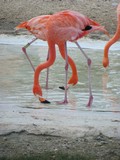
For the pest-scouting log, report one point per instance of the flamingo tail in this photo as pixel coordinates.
(101, 28)
(21, 25)
(96, 26)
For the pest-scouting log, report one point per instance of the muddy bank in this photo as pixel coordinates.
(13, 12)
(23, 143)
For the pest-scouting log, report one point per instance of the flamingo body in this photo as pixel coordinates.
(64, 26)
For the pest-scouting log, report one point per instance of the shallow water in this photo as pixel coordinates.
(16, 79)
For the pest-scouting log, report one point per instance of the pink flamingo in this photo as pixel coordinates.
(57, 29)
(114, 39)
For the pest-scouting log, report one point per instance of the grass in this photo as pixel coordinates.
(51, 156)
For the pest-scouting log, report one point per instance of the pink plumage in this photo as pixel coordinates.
(58, 29)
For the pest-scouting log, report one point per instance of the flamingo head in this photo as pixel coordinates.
(105, 62)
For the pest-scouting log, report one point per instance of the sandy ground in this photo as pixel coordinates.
(102, 141)
(26, 131)
(13, 12)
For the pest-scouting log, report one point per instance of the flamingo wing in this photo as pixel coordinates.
(71, 25)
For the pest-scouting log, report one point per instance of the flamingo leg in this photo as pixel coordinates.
(89, 75)
(66, 73)
(64, 47)
(24, 50)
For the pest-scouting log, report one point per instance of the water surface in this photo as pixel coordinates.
(16, 79)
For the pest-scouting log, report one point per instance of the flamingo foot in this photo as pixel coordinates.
(90, 101)
(65, 101)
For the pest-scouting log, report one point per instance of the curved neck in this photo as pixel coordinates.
(116, 37)
(48, 63)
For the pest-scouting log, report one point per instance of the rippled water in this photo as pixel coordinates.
(16, 79)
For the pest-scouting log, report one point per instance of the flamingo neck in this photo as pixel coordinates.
(48, 63)
(114, 39)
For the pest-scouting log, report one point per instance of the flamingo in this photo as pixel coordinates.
(114, 39)
(57, 29)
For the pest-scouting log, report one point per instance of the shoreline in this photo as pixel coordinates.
(39, 130)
